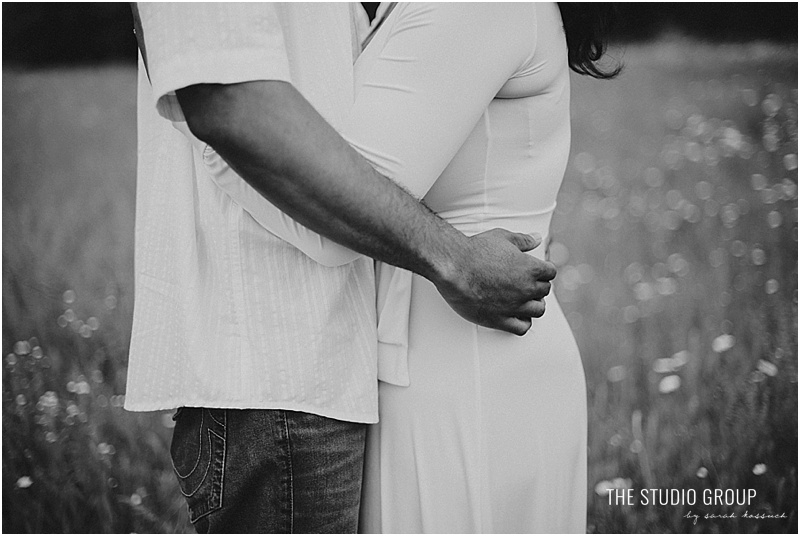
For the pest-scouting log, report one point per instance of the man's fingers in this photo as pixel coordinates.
(525, 242)
(545, 271)
(539, 290)
(532, 309)
(517, 326)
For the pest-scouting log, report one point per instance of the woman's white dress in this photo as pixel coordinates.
(468, 106)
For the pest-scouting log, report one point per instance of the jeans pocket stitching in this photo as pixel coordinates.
(208, 467)
(224, 414)
(199, 453)
(213, 502)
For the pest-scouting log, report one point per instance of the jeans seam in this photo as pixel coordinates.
(291, 476)
(224, 459)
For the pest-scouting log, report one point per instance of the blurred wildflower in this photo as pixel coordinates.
(729, 214)
(50, 437)
(633, 273)
(70, 315)
(615, 440)
(93, 323)
(702, 472)
(666, 286)
(789, 187)
(49, 400)
(136, 499)
(82, 387)
(759, 256)
(584, 163)
(771, 104)
(22, 348)
(21, 400)
(69, 296)
(769, 196)
(757, 376)
(636, 446)
(669, 384)
(559, 254)
(749, 97)
(62, 321)
(704, 190)
(767, 368)
(106, 450)
(759, 469)
(723, 343)
(790, 162)
(738, 248)
(11, 359)
(111, 302)
(616, 374)
(604, 487)
(678, 264)
(671, 364)
(774, 219)
(643, 291)
(711, 208)
(24, 482)
(771, 286)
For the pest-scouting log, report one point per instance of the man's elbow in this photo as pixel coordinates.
(207, 109)
(216, 113)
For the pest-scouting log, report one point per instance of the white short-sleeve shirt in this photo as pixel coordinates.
(227, 314)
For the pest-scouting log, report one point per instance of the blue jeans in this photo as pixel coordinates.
(268, 470)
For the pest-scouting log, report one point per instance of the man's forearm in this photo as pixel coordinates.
(289, 154)
(275, 140)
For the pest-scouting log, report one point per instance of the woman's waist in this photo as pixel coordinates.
(527, 223)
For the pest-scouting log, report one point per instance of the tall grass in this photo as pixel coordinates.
(676, 236)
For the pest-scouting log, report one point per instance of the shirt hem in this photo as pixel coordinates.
(365, 418)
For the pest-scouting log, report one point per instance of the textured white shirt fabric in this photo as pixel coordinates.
(227, 314)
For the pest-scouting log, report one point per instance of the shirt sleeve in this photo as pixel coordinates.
(214, 42)
(438, 70)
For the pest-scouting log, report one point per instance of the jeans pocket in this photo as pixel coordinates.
(198, 458)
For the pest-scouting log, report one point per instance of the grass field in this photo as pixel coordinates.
(676, 236)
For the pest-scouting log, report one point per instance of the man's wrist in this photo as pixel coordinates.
(445, 266)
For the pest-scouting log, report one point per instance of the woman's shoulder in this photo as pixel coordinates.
(506, 23)
(511, 11)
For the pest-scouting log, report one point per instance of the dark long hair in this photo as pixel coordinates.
(587, 25)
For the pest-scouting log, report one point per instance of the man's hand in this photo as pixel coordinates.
(494, 284)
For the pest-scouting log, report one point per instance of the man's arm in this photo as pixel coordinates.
(284, 149)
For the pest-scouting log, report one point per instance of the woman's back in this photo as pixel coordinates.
(507, 169)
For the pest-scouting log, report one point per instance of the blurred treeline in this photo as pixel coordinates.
(41, 33)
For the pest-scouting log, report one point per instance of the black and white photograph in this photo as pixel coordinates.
(429, 268)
